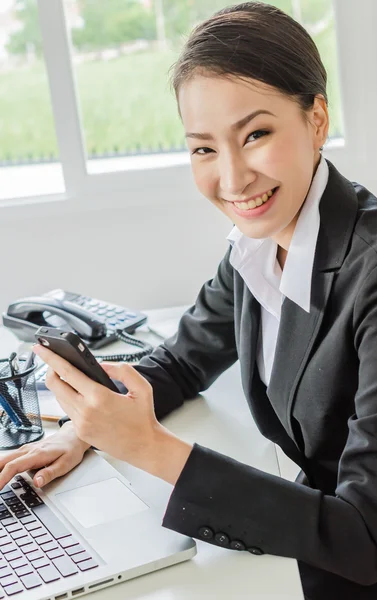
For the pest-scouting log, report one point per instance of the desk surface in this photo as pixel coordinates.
(214, 572)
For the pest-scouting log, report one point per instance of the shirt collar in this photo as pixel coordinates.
(296, 279)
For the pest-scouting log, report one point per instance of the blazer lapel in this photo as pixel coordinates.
(298, 329)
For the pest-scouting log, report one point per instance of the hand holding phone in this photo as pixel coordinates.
(70, 346)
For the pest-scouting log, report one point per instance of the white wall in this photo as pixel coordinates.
(145, 238)
(142, 257)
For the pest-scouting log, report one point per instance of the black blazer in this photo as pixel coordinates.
(320, 407)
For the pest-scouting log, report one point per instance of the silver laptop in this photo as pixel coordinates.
(83, 532)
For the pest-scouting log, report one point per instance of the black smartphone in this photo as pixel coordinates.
(70, 346)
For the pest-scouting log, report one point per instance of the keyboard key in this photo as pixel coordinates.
(68, 541)
(8, 548)
(6, 515)
(80, 557)
(35, 555)
(5, 573)
(30, 548)
(75, 549)
(14, 555)
(41, 562)
(65, 566)
(8, 580)
(5, 540)
(3, 533)
(55, 553)
(16, 485)
(33, 525)
(32, 501)
(43, 539)
(31, 581)
(49, 573)
(37, 532)
(16, 535)
(8, 521)
(49, 546)
(21, 513)
(8, 495)
(28, 519)
(25, 570)
(13, 589)
(51, 521)
(87, 564)
(20, 562)
(24, 541)
(14, 527)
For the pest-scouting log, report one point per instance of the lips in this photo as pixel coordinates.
(251, 213)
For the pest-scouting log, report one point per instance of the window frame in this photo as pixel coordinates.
(135, 187)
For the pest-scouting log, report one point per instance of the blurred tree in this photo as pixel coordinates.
(112, 23)
(27, 40)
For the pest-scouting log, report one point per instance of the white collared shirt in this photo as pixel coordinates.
(256, 261)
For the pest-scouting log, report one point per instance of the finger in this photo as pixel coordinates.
(134, 382)
(12, 455)
(59, 467)
(31, 460)
(68, 398)
(75, 378)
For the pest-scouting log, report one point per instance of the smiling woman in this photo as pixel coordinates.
(294, 299)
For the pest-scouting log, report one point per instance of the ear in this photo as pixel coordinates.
(320, 121)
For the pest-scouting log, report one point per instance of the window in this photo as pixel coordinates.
(28, 149)
(122, 52)
(86, 113)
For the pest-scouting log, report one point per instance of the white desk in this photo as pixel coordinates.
(210, 420)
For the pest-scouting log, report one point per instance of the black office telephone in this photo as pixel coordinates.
(96, 322)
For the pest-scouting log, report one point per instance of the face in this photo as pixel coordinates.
(253, 154)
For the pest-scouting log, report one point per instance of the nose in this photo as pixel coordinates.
(234, 175)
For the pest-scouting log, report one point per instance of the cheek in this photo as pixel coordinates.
(205, 180)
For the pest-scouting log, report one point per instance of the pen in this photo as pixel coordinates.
(28, 363)
(15, 369)
(10, 412)
(8, 401)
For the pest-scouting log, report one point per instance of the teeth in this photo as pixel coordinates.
(254, 203)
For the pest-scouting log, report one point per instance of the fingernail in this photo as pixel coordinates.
(39, 481)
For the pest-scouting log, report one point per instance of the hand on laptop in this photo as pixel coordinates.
(124, 426)
(52, 457)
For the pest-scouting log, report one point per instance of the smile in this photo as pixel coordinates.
(256, 202)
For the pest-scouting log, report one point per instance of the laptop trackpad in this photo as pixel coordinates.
(101, 502)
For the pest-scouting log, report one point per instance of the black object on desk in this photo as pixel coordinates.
(20, 421)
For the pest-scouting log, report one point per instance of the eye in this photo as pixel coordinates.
(258, 134)
(202, 151)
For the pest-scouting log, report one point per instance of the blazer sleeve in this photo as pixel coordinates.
(234, 505)
(203, 347)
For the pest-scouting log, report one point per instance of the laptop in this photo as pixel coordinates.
(85, 531)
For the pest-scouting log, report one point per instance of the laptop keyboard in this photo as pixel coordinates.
(35, 546)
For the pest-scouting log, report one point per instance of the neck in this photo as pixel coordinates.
(281, 256)
(283, 239)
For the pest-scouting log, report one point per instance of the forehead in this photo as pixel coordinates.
(206, 99)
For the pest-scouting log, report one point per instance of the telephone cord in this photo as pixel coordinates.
(130, 356)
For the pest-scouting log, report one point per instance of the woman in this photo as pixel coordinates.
(295, 299)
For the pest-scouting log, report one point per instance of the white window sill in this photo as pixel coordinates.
(34, 190)
(36, 180)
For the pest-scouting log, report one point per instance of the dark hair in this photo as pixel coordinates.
(258, 41)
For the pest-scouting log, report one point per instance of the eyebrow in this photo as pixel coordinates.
(235, 127)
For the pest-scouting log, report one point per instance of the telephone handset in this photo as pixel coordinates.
(96, 322)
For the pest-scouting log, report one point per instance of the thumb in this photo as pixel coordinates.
(56, 469)
(134, 382)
